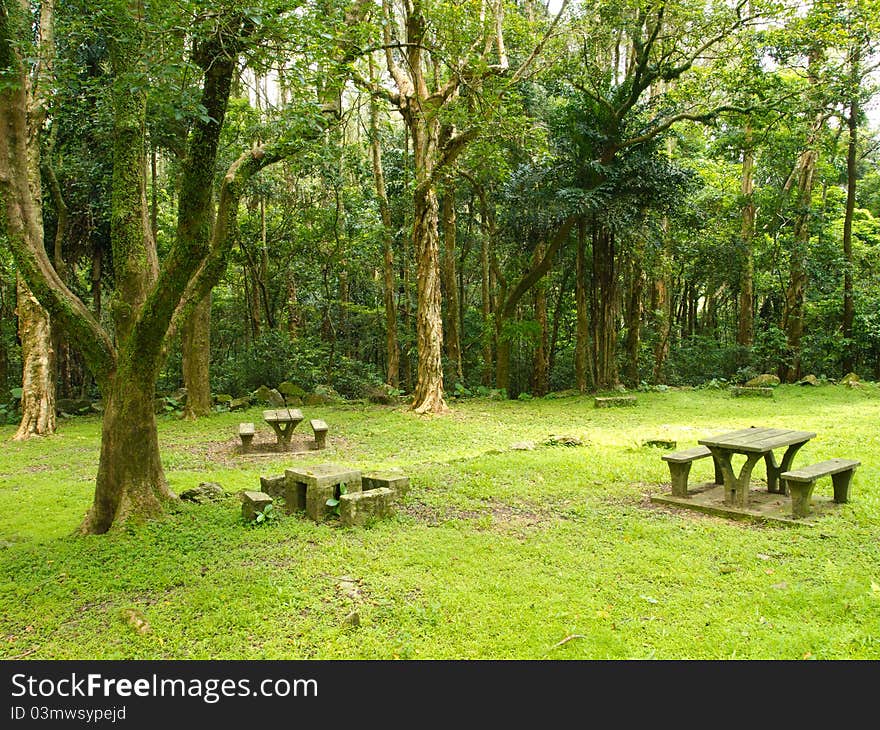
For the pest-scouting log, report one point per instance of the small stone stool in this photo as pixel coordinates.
(314, 485)
(253, 503)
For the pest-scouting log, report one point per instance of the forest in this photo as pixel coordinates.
(426, 201)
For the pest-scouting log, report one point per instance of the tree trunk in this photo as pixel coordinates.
(582, 339)
(605, 296)
(38, 371)
(392, 350)
(541, 369)
(795, 291)
(634, 318)
(428, 397)
(662, 308)
(852, 123)
(292, 305)
(130, 479)
(450, 283)
(745, 324)
(196, 350)
(486, 296)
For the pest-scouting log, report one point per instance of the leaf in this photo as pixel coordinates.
(332, 502)
(875, 586)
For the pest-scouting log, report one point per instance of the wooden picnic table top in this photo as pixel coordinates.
(283, 415)
(757, 440)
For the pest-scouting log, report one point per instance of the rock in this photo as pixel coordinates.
(287, 388)
(222, 398)
(315, 399)
(661, 443)
(523, 446)
(560, 440)
(328, 392)
(760, 381)
(262, 394)
(853, 384)
(352, 620)
(239, 404)
(850, 378)
(205, 492)
(78, 406)
(381, 396)
(253, 503)
(276, 399)
(808, 380)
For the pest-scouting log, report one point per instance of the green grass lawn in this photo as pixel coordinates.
(495, 553)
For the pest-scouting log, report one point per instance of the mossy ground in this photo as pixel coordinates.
(495, 553)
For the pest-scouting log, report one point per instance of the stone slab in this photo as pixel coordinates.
(323, 474)
(359, 508)
(398, 483)
(615, 401)
(763, 506)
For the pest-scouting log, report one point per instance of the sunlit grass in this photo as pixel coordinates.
(554, 552)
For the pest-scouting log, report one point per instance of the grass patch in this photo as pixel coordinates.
(554, 552)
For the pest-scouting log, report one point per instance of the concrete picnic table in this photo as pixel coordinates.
(755, 444)
(283, 421)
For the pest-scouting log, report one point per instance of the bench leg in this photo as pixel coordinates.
(246, 443)
(679, 475)
(320, 439)
(801, 494)
(841, 483)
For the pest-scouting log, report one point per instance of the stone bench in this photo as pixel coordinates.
(614, 401)
(359, 508)
(680, 466)
(246, 434)
(799, 483)
(320, 429)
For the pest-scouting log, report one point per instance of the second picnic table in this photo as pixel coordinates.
(283, 421)
(755, 444)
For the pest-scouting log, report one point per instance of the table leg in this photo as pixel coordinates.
(736, 487)
(283, 432)
(774, 484)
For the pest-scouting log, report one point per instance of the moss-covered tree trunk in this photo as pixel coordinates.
(130, 481)
(196, 350)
